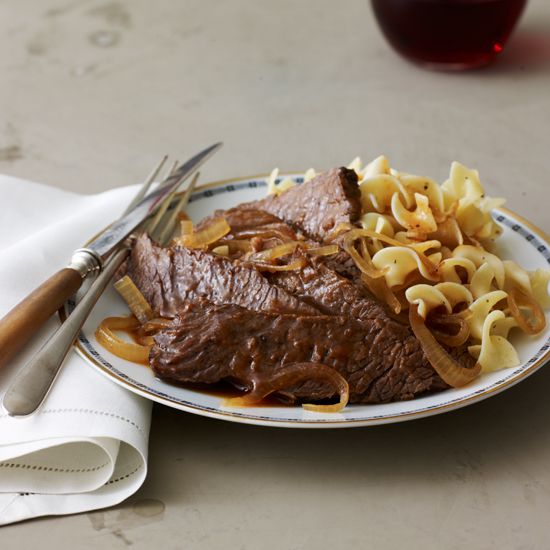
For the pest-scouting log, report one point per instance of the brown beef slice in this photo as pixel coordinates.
(313, 208)
(320, 205)
(332, 294)
(208, 343)
(169, 277)
(247, 222)
(320, 286)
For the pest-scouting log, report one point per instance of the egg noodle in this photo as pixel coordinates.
(429, 245)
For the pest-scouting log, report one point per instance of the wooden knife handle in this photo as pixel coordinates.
(22, 322)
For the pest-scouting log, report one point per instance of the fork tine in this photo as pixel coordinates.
(170, 222)
(146, 185)
(174, 168)
(164, 205)
(166, 180)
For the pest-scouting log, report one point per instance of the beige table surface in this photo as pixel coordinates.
(92, 93)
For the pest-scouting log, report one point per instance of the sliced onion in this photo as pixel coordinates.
(292, 375)
(380, 289)
(278, 251)
(237, 245)
(121, 323)
(338, 230)
(134, 298)
(333, 408)
(186, 227)
(104, 334)
(144, 334)
(288, 247)
(144, 339)
(363, 262)
(518, 301)
(327, 250)
(411, 279)
(364, 249)
(156, 324)
(292, 266)
(448, 369)
(222, 250)
(265, 233)
(210, 234)
(454, 320)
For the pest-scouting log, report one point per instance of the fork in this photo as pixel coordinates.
(30, 387)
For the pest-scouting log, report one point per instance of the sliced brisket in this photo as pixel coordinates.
(208, 343)
(170, 277)
(319, 285)
(320, 205)
(246, 222)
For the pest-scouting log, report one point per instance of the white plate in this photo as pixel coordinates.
(520, 241)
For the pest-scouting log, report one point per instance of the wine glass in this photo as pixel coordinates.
(448, 34)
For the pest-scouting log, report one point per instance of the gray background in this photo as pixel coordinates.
(92, 93)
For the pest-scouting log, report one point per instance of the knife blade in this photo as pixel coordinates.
(21, 323)
(111, 237)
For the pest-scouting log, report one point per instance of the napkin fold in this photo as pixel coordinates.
(86, 447)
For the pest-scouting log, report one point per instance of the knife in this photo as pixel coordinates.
(19, 325)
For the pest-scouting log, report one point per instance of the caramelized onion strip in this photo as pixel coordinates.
(104, 334)
(222, 250)
(518, 301)
(144, 339)
(262, 233)
(144, 335)
(186, 227)
(292, 266)
(380, 289)
(156, 324)
(210, 234)
(459, 337)
(292, 375)
(378, 285)
(278, 251)
(134, 298)
(338, 230)
(448, 369)
(236, 245)
(289, 247)
(363, 263)
(327, 250)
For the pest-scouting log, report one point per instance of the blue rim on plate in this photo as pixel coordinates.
(533, 236)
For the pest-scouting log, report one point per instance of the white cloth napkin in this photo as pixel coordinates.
(86, 448)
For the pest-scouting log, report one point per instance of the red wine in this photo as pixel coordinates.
(452, 33)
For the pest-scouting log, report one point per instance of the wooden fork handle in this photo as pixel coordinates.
(32, 383)
(24, 320)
